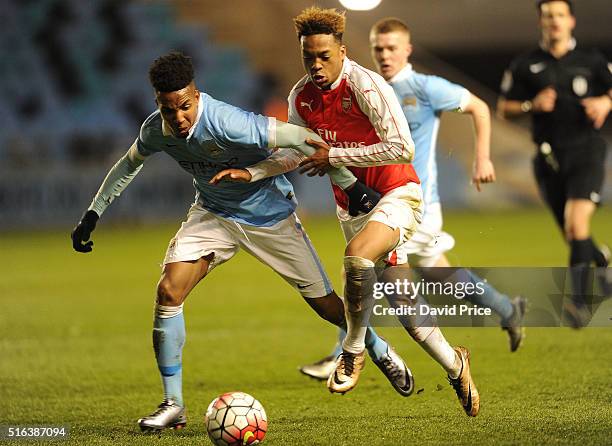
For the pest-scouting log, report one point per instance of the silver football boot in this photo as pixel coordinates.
(394, 368)
(321, 369)
(168, 415)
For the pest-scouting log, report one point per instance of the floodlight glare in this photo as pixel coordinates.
(360, 5)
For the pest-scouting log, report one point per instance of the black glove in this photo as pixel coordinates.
(82, 232)
(361, 198)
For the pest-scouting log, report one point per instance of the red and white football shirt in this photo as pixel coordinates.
(362, 120)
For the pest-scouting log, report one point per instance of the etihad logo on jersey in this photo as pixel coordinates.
(330, 137)
(207, 168)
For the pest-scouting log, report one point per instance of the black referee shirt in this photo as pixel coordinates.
(577, 75)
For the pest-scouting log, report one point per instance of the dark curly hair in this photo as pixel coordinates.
(315, 20)
(171, 72)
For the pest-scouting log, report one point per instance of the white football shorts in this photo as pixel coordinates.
(429, 241)
(399, 209)
(284, 247)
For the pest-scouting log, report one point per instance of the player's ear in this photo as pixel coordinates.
(408, 50)
(343, 51)
(197, 94)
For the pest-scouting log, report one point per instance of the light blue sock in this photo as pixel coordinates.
(168, 341)
(375, 344)
(491, 298)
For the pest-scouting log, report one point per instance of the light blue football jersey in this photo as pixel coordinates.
(224, 137)
(423, 98)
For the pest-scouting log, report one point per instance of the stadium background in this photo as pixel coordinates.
(74, 85)
(75, 90)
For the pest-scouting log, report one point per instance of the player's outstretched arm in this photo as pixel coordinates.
(361, 198)
(117, 179)
(378, 102)
(483, 170)
(279, 162)
(295, 137)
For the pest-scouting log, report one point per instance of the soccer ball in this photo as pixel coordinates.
(236, 419)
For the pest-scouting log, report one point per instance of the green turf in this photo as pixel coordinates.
(75, 347)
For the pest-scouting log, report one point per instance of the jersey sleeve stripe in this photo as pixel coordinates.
(388, 151)
(380, 92)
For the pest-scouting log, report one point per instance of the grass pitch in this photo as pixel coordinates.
(75, 347)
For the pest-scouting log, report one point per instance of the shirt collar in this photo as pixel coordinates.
(346, 68)
(402, 74)
(571, 46)
(166, 131)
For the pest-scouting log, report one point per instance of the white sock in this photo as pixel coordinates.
(439, 349)
(358, 301)
(355, 342)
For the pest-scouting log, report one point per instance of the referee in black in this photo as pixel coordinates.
(568, 93)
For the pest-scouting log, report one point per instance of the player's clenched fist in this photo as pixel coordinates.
(82, 232)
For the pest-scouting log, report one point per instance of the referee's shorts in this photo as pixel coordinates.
(570, 172)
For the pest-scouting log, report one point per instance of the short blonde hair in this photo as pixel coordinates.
(389, 25)
(315, 20)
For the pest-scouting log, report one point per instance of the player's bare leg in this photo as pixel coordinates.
(177, 280)
(578, 214)
(371, 243)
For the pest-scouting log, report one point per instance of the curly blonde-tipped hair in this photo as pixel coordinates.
(315, 20)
